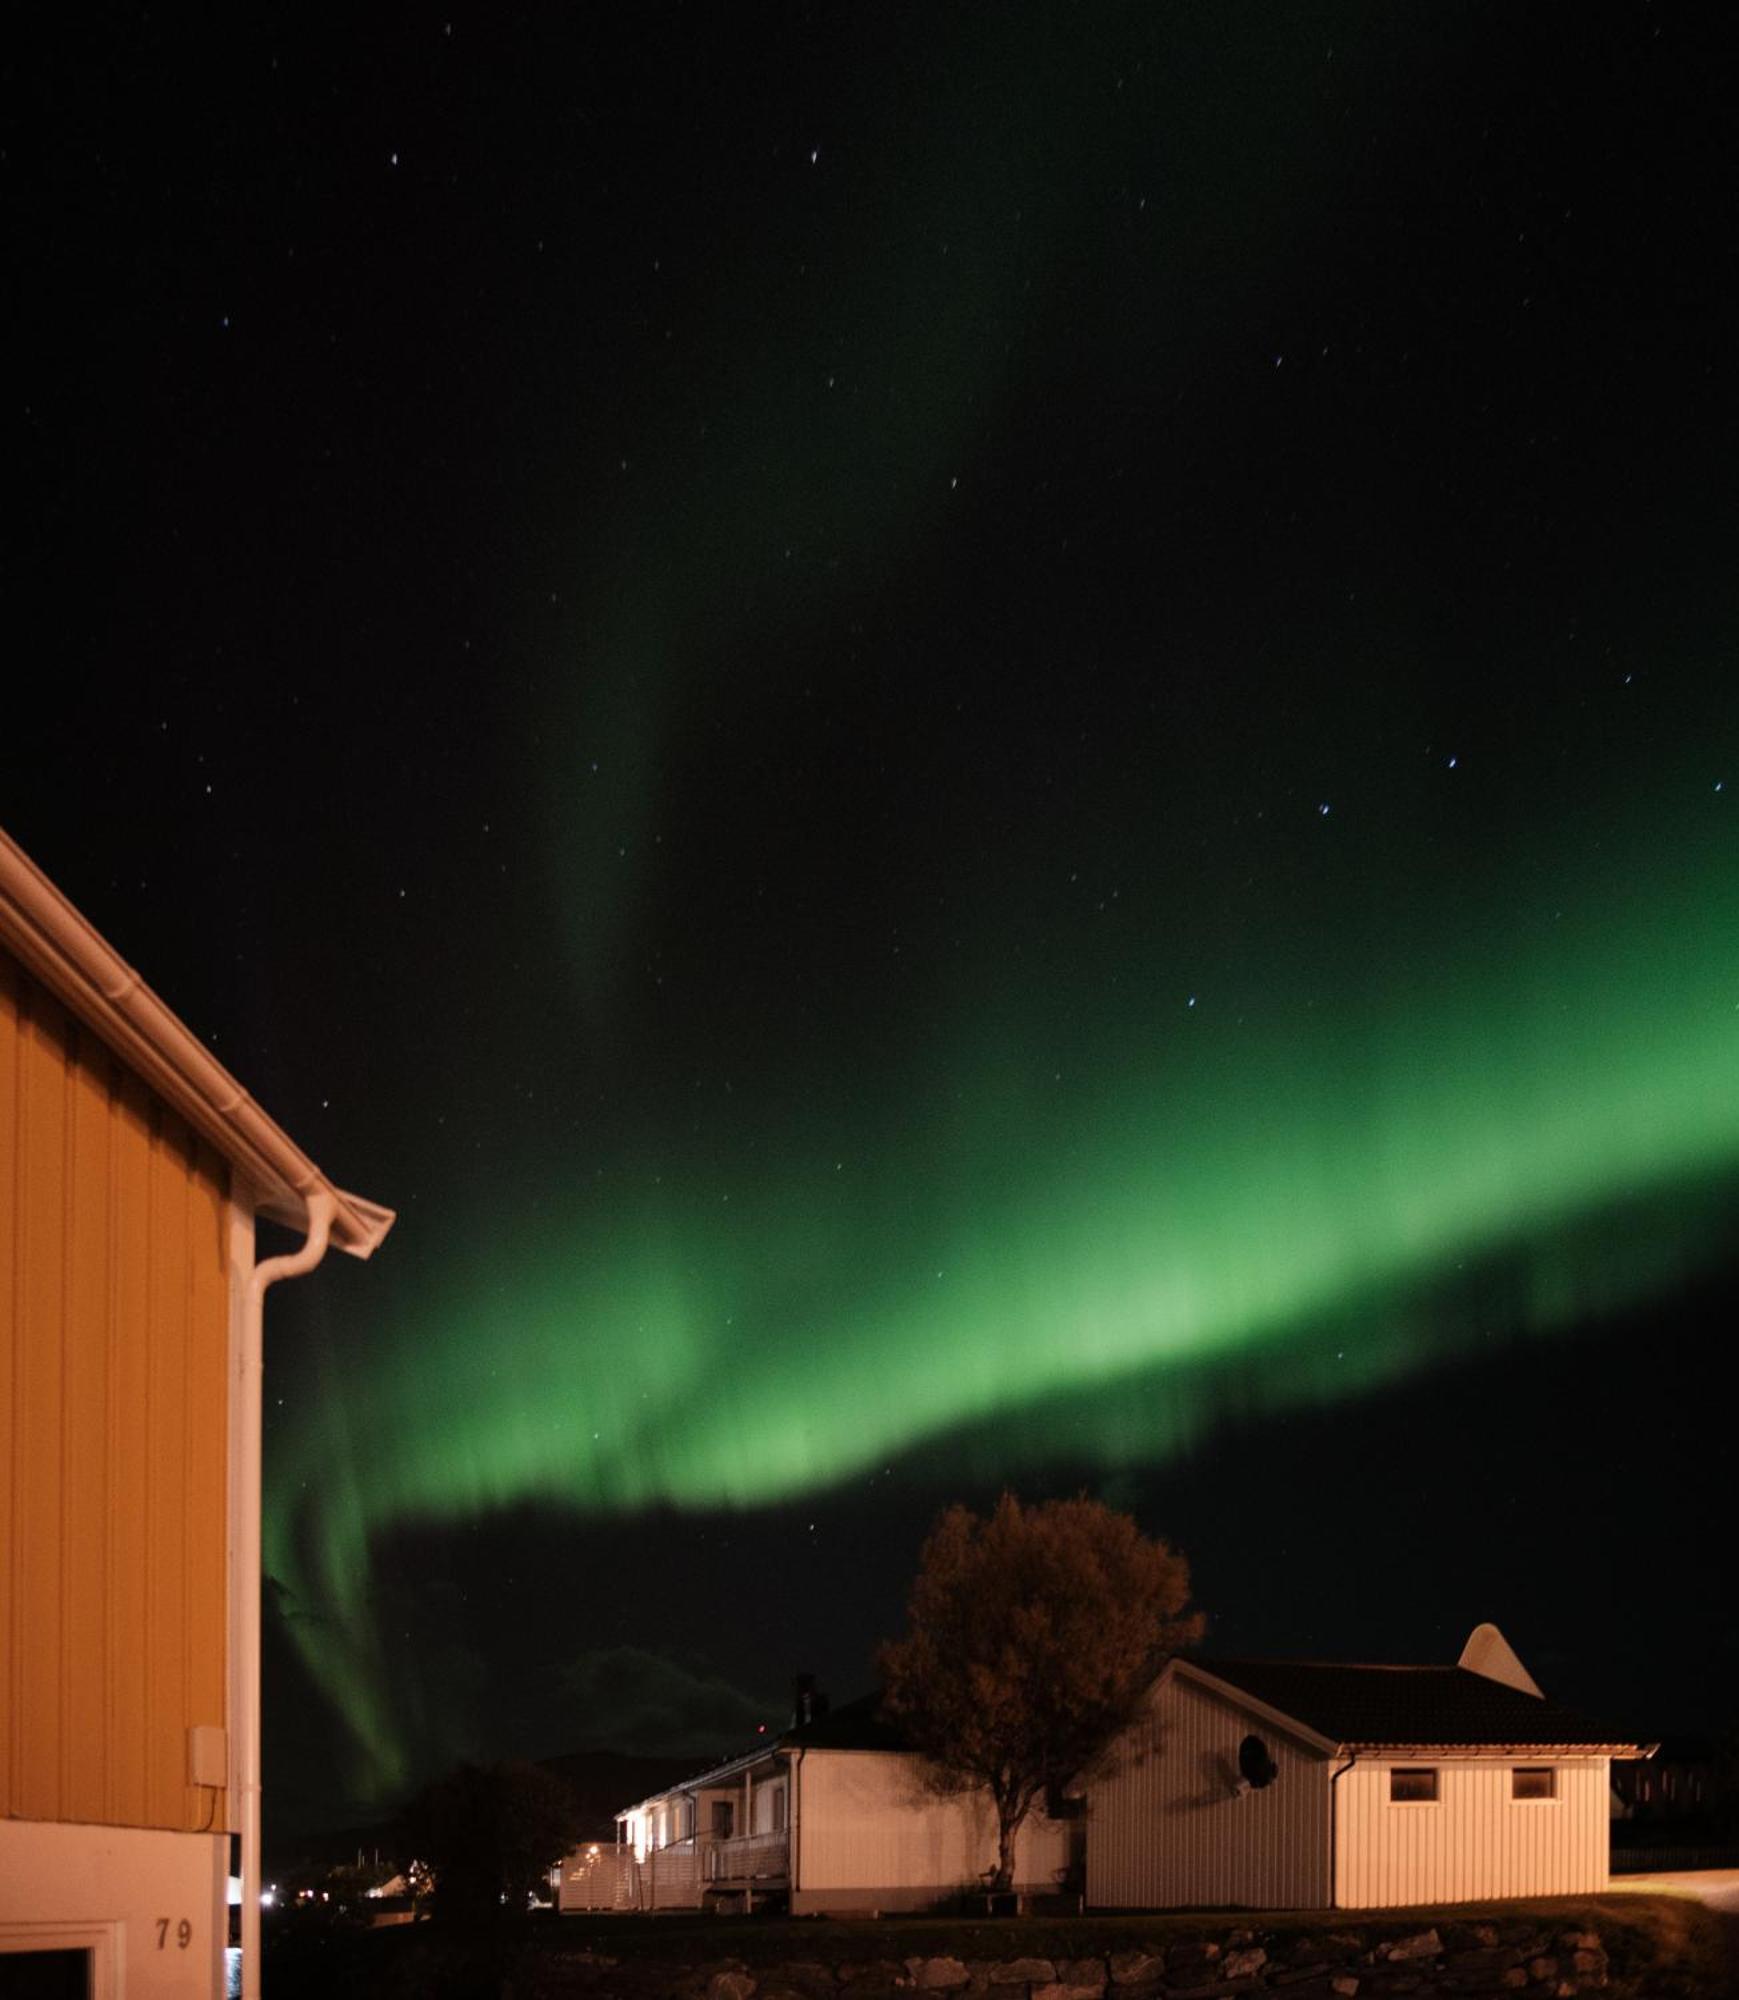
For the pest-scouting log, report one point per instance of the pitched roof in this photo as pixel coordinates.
(853, 1725)
(58, 947)
(1368, 1707)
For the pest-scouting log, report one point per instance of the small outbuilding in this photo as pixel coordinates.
(1282, 1784)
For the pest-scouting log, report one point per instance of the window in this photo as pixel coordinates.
(61, 1961)
(1412, 1788)
(48, 1975)
(1531, 1781)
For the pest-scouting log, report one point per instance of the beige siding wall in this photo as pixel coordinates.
(1475, 1841)
(114, 1329)
(767, 1812)
(866, 1822)
(1167, 1829)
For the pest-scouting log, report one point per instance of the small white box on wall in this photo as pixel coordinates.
(207, 1755)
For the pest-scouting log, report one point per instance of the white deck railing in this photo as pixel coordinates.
(749, 1857)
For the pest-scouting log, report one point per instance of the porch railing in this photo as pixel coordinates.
(749, 1857)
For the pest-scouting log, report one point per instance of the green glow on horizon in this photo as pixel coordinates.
(1216, 1193)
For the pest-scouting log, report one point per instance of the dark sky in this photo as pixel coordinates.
(972, 747)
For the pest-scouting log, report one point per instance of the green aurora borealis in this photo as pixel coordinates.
(1287, 1189)
(967, 746)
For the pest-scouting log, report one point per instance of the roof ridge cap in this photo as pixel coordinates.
(1209, 1662)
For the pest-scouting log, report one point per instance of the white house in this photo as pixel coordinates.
(832, 1816)
(1279, 1784)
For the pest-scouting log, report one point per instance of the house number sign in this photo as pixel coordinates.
(183, 1933)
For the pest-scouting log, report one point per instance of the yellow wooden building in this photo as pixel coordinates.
(132, 1168)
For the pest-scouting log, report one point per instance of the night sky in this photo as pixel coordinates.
(972, 747)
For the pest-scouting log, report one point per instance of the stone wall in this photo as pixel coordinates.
(1501, 1955)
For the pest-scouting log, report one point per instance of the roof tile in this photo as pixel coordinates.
(1379, 1707)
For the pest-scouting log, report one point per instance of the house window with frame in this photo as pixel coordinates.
(1412, 1786)
(1533, 1781)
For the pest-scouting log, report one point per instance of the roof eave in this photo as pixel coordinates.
(711, 1775)
(70, 957)
(1490, 1750)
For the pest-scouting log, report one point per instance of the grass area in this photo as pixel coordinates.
(1669, 1946)
(1661, 1947)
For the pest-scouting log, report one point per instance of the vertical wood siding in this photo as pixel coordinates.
(114, 1332)
(1475, 1841)
(1167, 1828)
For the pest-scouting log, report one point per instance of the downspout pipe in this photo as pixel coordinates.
(794, 1831)
(322, 1206)
(1335, 1777)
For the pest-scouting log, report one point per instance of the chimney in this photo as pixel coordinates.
(808, 1703)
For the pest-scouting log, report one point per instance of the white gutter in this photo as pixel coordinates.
(56, 944)
(245, 1609)
(1449, 1753)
